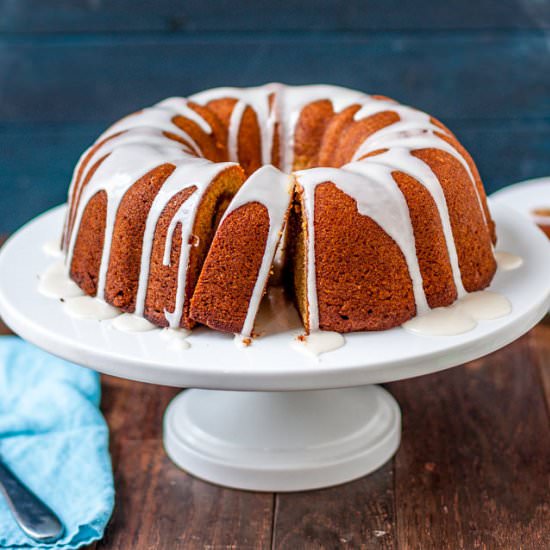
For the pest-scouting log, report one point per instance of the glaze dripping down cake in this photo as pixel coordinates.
(176, 212)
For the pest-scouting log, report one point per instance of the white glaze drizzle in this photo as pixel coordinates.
(160, 118)
(146, 127)
(413, 131)
(539, 219)
(233, 131)
(378, 197)
(142, 146)
(115, 176)
(139, 147)
(294, 98)
(400, 159)
(287, 106)
(181, 107)
(273, 189)
(179, 344)
(441, 321)
(258, 100)
(484, 305)
(144, 136)
(195, 172)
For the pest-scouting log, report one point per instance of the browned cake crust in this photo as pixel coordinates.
(363, 282)
(249, 142)
(362, 277)
(230, 271)
(84, 269)
(309, 132)
(471, 235)
(162, 286)
(542, 218)
(126, 246)
(431, 249)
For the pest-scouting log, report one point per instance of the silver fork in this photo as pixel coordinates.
(34, 518)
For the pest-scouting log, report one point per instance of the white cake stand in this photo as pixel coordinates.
(280, 437)
(525, 196)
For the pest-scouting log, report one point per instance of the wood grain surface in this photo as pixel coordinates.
(472, 471)
(70, 68)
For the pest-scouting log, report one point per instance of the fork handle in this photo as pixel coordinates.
(35, 519)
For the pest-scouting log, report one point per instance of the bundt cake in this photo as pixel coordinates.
(176, 212)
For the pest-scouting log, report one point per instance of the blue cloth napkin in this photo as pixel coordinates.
(54, 438)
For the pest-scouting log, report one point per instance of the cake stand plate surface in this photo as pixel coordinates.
(525, 196)
(282, 436)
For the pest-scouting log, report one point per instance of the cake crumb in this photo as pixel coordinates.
(430, 467)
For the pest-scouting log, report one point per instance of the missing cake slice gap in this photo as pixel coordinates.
(237, 268)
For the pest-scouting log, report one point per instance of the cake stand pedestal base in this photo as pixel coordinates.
(282, 441)
(279, 440)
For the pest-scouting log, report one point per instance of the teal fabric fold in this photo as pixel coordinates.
(54, 438)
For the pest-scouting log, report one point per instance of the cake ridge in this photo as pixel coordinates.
(198, 175)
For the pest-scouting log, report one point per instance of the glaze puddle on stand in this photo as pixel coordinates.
(54, 283)
(462, 316)
(507, 261)
(128, 322)
(277, 312)
(318, 342)
(52, 248)
(86, 307)
(177, 338)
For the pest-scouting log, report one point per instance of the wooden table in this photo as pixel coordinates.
(482, 482)
(473, 471)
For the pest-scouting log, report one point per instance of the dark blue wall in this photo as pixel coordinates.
(69, 67)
